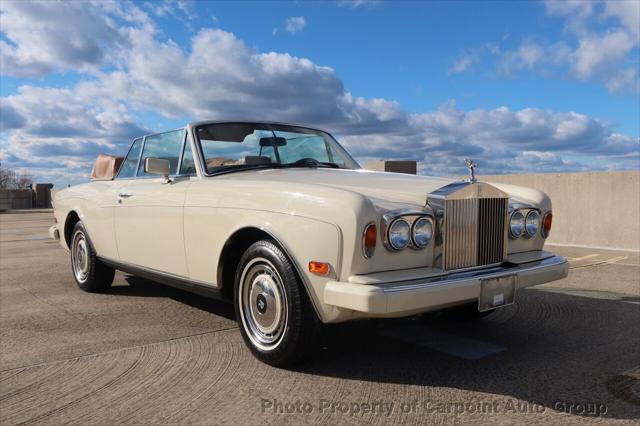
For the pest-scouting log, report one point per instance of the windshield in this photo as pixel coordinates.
(238, 146)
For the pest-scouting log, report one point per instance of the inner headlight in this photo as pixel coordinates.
(516, 224)
(532, 223)
(422, 232)
(399, 234)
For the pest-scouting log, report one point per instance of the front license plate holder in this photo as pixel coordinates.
(497, 292)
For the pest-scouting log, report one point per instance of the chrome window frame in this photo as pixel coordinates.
(198, 146)
(116, 177)
(187, 140)
(144, 143)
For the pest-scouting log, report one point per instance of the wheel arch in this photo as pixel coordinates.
(70, 221)
(235, 246)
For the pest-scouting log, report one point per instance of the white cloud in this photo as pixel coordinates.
(292, 25)
(580, 9)
(602, 45)
(597, 53)
(628, 12)
(175, 8)
(527, 56)
(219, 76)
(80, 36)
(462, 63)
(604, 55)
(295, 24)
(354, 4)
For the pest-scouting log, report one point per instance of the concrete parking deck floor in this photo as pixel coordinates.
(567, 352)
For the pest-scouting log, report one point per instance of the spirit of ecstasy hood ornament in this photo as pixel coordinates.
(472, 169)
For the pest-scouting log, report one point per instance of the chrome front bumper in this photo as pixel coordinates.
(409, 297)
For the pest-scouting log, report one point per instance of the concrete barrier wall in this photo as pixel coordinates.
(589, 209)
(16, 199)
(36, 197)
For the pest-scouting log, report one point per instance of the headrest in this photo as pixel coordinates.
(106, 167)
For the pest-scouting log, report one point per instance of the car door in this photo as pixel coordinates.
(149, 210)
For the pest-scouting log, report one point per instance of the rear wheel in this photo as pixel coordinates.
(276, 319)
(90, 274)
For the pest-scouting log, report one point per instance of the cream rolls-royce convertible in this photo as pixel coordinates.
(281, 221)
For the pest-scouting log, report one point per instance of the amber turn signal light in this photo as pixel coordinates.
(369, 240)
(319, 268)
(546, 224)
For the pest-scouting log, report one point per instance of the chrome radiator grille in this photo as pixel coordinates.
(474, 232)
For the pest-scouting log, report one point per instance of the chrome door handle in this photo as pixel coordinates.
(125, 195)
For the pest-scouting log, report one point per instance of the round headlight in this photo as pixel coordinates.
(516, 224)
(532, 223)
(399, 234)
(422, 232)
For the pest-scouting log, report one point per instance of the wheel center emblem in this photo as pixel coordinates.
(261, 302)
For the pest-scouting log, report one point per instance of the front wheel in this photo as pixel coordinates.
(90, 274)
(276, 319)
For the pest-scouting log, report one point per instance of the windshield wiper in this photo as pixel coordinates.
(243, 167)
(311, 162)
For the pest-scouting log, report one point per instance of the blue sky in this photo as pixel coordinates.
(522, 86)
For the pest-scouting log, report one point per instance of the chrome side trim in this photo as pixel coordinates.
(457, 277)
(176, 281)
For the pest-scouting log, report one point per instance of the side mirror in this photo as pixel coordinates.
(157, 166)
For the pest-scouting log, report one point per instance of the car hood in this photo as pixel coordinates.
(381, 188)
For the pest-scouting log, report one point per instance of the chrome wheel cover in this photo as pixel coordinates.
(80, 257)
(263, 304)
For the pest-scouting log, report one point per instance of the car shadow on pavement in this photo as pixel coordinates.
(141, 287)
(564, 352)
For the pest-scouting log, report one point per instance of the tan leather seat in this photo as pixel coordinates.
(215, 161)
(106, 167)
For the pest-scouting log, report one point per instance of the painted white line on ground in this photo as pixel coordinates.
(594, 247)
(611, 261)
(632, 302)
(628, 264)
(589, 256)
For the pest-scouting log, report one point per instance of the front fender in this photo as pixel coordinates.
(303, 239)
